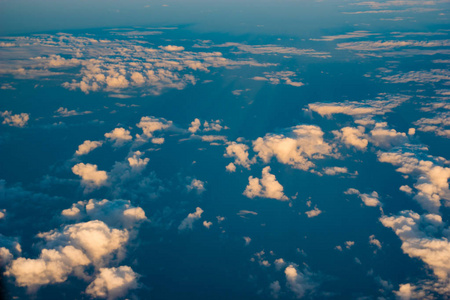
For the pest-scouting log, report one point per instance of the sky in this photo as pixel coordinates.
(224, 149)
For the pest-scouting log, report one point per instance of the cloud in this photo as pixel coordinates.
(266, 187)
(117, 213)
(196, 185)
(438, 125)
(359, 109)
(348, 35)
(195, 126)
(231, 168)
(354, 137)
(388, 45)
(240, 154)
(431, 178)
(136, 162)
(150, 125)
(113, 283)
(89, 174)
(207, 224)
(303, 143)
(432, 76)
(88, 146)
(313, 213)
(424, 237)
(188, 222)
(278, 77)
(64, 112)
(119, 136)
(383, 137)
(172, 48)
(18, 120)
(335, 170)
(247, 240)
(367, 199)
(298, 282)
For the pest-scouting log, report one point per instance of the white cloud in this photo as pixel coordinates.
(64, 112)
(89, 174)
(431, 76)
(119, 136)
(266, 187)
(113, 283)
(380, 136)
(150, 125)
(231, 168)
(18, 120)
(196, 185)
(136, 162)
(172, 48)
(304, 142)
(374, 241)
(247, 240)
(367, 199)
(195, 126)
(335, 170)
(431, 178)
(313, 213)
(240, 154)
(207, 224)
(87, 147)
(423, 237)
(280, 77)
(188, 222)
(348, 35)
(298, 282)
(353, 137)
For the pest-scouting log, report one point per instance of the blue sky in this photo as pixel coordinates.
(248, 150)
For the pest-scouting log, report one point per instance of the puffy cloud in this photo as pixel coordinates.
(432, 179)
(136, 162)
(207, 224)
(231, 168)
(196, 185)
(304, 142)
(89, 174)
(113, 283)
(195, 126)
(172, 48)
(349, 244)
(298, 282)
(374, 241)
(406, 188)
(247, 240)
(380, 136)
(423, 237)
(87, 147)
(313, 213)
(18, 120)
(266, 187)
(188, 222)
(52, 266)
(367, 199)
(335, 170)
(117, 213)
(353, 137)
(119, 136)
(150, 125)
(438, 125)
(240, 154)
(275, 289)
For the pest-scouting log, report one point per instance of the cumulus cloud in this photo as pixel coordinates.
(313, 213)
(87, 147)
(195, 126)
(64, 112)
(300, 283)
(266, 187)
(303, 143)
(196, 185)
(117, 213)
(113, 283)
(188, 222)
(335, 170)
(119, 136)
(150, 125)
(423, 237)
(90, 176)
(431, 178)
(240, 154)
(231, 168)
(438, 124)
(354, 137)
(367, 199)
(275, 78)
(431, 76)
(18, 120)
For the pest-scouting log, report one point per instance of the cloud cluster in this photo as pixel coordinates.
(266, 187)
(302, 144)
(90, 176)
(367, 199)
(18, 120)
